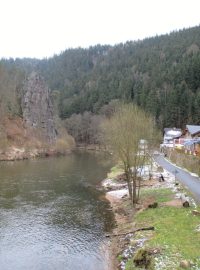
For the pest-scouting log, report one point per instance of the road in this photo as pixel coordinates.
(191, 182)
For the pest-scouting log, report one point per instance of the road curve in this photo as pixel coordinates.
(191, 182)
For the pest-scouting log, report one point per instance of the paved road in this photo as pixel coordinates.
(192, 182)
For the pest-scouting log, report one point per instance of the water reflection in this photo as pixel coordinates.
(51, 216)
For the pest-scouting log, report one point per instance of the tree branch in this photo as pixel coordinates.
(136, 230)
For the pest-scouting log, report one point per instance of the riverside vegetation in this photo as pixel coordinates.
(130, 134)
(154, 229)
(175, 241)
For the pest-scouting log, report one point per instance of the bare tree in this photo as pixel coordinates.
(123, 133)
(85, 128)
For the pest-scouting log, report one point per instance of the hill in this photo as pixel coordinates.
(161, 74)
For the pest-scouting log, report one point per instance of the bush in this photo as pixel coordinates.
(142, 259)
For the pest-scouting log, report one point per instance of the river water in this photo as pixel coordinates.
(52, 217)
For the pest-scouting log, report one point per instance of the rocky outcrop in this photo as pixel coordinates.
(33, 133)
(37, 108)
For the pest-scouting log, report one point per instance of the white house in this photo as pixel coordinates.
(169, 135)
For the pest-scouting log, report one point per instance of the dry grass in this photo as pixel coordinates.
(13, 134)
(190, 162)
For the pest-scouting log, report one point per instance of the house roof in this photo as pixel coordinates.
(172, 132)
(193, 129)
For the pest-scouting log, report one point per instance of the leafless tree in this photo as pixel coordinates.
(130, 132)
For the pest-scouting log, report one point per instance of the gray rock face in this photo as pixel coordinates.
(37, 107)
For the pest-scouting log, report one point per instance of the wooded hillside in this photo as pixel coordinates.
(160, 74)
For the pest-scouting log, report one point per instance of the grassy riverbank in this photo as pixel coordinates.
(175, 242)
(177, 232)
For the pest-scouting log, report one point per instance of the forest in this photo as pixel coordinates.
(160, 74)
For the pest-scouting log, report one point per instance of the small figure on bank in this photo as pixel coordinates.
(161, 178)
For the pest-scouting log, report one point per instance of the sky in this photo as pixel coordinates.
(42, 28)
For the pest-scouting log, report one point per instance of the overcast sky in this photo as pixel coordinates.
(41, 28)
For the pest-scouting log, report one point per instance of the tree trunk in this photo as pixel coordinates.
(128, 179)
(134, 189)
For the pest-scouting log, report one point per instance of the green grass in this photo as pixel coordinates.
(175, 231)
(160, 195)
(175, 227)
(130, 265)
(115, 171)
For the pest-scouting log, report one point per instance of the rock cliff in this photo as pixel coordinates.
(37, 108)
(34, 132)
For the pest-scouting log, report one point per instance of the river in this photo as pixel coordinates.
(52, 217)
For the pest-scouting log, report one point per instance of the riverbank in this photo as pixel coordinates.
(165, 247)
(15, 153)
(18, 142)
